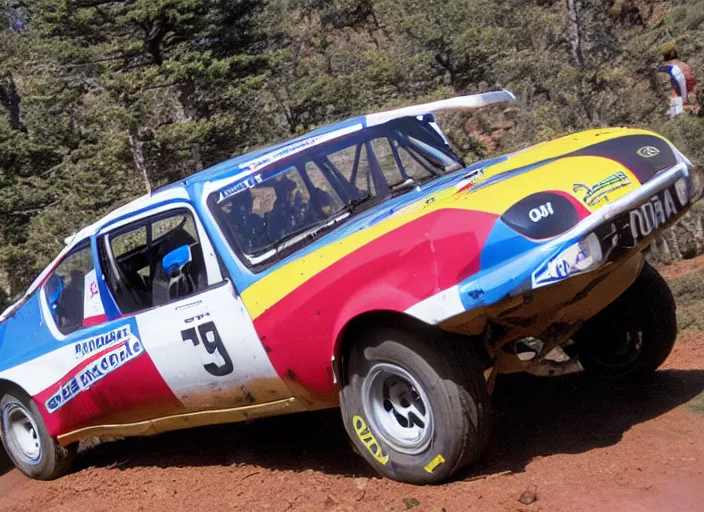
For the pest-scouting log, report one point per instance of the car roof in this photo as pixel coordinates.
(240, 163)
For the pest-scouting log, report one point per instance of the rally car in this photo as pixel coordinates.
(363, 265)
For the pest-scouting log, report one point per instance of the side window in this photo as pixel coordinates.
(154, 261)
(65, 290)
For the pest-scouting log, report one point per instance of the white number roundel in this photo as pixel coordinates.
(541, 212)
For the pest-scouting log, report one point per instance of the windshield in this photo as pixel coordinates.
(273, 210)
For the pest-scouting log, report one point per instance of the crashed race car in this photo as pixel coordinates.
(363, 265)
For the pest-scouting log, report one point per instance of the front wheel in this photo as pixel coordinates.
(634, 334)
(27, 441)
(416, 409)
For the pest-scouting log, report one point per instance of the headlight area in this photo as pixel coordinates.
(580, 257)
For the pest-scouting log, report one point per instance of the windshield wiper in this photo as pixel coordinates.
(353, 204)
(312, 230)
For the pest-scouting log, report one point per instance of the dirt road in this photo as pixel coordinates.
(564, 444)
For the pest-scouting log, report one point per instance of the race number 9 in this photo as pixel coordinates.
(215, 360)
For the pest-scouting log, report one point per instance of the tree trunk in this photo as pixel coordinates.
(10, 99)
(137, 149)
(574, 31)
(182, 114)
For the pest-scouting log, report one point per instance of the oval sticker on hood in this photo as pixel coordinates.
(642, 154)
(541, 215)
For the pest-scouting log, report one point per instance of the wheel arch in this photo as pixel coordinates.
(361, 322)
(352, 330)
(9, 386)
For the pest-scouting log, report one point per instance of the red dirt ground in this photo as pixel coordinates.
(577, 445)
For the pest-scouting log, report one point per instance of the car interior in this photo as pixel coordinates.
(138, 277)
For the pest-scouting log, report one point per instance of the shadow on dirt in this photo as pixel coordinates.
(538, 416)
(5, 462)
(532, 417)
(296, 442)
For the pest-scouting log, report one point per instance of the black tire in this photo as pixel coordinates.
(446, 374)
(52, 460)
(634, 334)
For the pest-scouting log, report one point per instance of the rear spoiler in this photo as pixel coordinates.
(459, 103)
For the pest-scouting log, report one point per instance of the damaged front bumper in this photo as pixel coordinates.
(628, 223)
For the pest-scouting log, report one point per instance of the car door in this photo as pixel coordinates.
(161, 271)
(99, 372)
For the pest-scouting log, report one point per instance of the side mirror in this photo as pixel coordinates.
(174, 262)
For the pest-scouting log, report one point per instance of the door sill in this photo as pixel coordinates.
(183, 421)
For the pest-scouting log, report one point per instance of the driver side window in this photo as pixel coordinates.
(65, 290)
(154, 261)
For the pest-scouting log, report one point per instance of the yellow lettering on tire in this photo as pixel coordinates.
(430, 467)
(365, 435)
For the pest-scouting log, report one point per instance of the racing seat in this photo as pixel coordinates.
(179, 269)
(173, 279)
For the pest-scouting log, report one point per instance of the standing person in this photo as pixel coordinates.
(682, 78)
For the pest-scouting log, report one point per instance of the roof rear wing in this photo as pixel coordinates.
(459, 103)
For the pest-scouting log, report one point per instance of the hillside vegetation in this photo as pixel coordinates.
(104, 100)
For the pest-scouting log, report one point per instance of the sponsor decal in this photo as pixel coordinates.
(93, 289)
(475, 294)
(558, 269)
(580, 257)
(599, 191)
(470, 180)
(245, 184)
(92, 304)
(256, 164)
(95, 371)
(296, 147)
(365, 435)
(272, 157)
(541, 212)
(648, 151)
(438, 460)
(656, 212)
(189, 305)
(85, 348)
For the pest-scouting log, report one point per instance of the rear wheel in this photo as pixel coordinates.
(27, 441)
(634, 334)
(416, 409)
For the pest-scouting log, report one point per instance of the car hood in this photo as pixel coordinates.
(588, 169)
